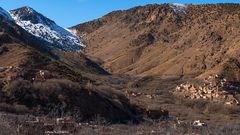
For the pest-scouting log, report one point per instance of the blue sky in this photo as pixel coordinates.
(67, 13)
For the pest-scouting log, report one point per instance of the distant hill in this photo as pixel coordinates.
(167, 40)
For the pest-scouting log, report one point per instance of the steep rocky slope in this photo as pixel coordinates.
(167, 40)
(47, 30)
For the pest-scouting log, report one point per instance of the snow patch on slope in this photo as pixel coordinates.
(47, 30)
(178, 7)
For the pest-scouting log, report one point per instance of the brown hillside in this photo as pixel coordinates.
(36, 81)
(166, 40)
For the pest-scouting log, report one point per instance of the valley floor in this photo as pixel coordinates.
(153, 93)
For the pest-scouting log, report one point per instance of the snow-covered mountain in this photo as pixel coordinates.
(46, 29)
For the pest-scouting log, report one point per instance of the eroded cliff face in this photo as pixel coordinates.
(168, 40)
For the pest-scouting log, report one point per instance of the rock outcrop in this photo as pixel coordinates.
(214, 88)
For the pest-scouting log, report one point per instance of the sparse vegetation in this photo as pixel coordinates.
(59, 97)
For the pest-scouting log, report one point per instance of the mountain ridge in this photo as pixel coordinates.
(47, 30)
(156, 40)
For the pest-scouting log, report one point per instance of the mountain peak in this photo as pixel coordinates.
(46, 29)
(29, 14)
(27, 9)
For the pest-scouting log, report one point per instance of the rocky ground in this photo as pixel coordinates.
(26, 124)
(214, 88)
